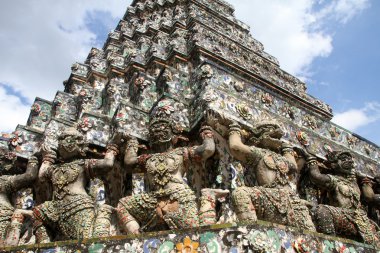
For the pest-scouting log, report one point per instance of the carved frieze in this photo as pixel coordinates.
(40, 114)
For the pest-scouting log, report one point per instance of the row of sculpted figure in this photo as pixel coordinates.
(275, 198)
(171, 203)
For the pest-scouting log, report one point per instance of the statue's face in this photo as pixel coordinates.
(272, 131)
(160, 132)
(345, 163)
(7, 160)
(70, 145)
(111, 89)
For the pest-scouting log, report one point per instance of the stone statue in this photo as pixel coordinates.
(344, 215)
(170, 201)
(11, 220)
(275, 198)
(72, 211)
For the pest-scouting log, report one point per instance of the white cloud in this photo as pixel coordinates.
(283, 27)
(343, 10)
(354, 119)
(12, 111)
(294, 31)
(36, 53)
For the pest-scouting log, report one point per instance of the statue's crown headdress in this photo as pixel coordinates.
(333, 156)
(267, 123)
(156, 120)
(71, 131)
(257, 131)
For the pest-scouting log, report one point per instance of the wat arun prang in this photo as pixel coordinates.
(182, 121)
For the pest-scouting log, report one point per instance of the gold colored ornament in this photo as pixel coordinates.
(187, 246)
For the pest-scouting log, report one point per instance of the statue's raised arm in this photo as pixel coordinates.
(102, 166)
(321, 180)
(207, 149)
(368, 192)
(238, 149)
(27, 178)
(11, 220)
(131, 150)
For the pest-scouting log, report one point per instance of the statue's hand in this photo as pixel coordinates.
(133, 144)
(215, 119)
(211, 118)
(218, 122)
(119, 138)
(268, 142)
(48, 154)
(301, 152)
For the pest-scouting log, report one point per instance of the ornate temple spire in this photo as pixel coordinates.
(168, 69)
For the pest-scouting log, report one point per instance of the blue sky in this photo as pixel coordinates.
(332, 45)
(348, 78)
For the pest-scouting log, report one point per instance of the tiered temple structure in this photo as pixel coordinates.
(183, 122)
